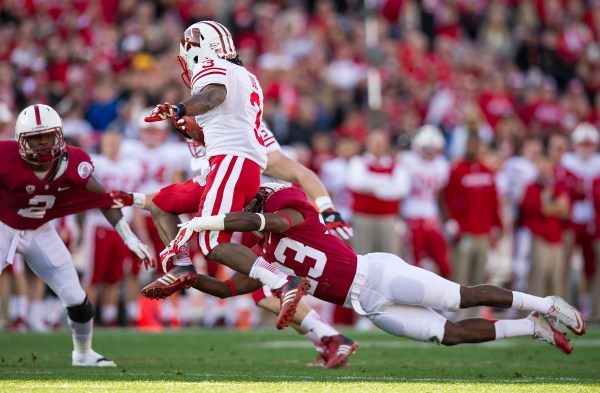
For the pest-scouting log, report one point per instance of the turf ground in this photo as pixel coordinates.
(270, 361)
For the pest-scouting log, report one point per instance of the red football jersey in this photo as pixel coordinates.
(27, 202)
(308, 250)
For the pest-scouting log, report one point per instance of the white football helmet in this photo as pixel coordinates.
(202, 41)
(429, 140)
(36, 120)
(585, 132)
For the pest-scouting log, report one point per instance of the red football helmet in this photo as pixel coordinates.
(36, 120)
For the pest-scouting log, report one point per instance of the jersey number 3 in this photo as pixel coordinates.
(301, 253)
(39, 205)
(255, 101)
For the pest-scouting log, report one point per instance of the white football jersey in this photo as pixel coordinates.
(232, 128)
(124, 174)
(159, 164)
(583, 210)
(516, 174)
(268, 137)
(426, 180)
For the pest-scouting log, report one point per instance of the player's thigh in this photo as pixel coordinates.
(179, 198)
(49, 259)
(402, 283)
(414, 322)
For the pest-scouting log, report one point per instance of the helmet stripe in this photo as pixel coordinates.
(38, 117)
(229, 37)
(220, 34)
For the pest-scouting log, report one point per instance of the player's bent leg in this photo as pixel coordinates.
(414, 322)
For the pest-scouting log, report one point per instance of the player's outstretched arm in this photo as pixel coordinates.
(282, 167)
(238, 284)
(278, 222)
(208, 98)
(116, 219)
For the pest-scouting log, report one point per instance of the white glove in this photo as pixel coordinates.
(134, 244)
(197, 224)
(202, 167)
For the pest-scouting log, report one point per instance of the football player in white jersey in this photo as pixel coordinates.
(428, 171)
(227, 102)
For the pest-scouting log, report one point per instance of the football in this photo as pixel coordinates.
(192, 129)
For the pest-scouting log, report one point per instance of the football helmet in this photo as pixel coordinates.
(257, 204)
(202, 41)
(197, 149)
(37, 120)
(429, 141)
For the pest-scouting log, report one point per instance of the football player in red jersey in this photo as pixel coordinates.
(183, 198)
(42, 178)
(397, 297)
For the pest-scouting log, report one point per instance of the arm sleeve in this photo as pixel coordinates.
(360, 180)
(397, 187)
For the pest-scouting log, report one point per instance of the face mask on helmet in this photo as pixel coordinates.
(203, 41)
(39, 133)
(257, 204)
(197, 149)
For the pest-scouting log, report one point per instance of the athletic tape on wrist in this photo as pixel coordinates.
(323, 203)
(262, 221)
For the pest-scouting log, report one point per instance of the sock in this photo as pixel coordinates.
(513, 328)
(313, 338)
(37, 313)
(183, 258)
(22, 305)
(268, 274)
(82, 335)
(109, 313)
(524, 301)
(585, 303)
(133, 311)
(314, 323)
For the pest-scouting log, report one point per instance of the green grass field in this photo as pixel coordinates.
(270, 361)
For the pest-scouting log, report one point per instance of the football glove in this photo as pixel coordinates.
(187, 126)
(336, 224)
(162, 112)
(124, 198)
(134, 244)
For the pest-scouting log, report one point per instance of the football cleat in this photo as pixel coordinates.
(545, 331)
(289, 295)
(91, 359)
(177, 278)
(320, 361)
(339, 349)
(565, 314)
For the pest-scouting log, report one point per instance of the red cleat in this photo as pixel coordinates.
(339, 349)
(176, 278)
(289, 295)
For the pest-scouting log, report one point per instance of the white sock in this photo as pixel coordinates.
(313, 338)
(109, 313)
(82, 335)
(513, 328)
(37, 312)
(17, 308)
(268, 274)
(314, 323)
(585, 303)
(183, 258)
(133, 311)
(524, 301)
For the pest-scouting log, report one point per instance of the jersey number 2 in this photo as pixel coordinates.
(302, 252)
(39, 205)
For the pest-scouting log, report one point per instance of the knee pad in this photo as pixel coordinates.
(81, 313)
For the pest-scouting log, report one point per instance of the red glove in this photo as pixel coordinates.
(165, 111)
(124, 198)
(336, 224)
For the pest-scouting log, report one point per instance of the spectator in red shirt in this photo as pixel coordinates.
(472, 202)
(544, 208)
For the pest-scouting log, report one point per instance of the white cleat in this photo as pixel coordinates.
(544, 331)
(562, 312)
(91, 359)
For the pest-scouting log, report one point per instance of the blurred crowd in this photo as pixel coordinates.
(504, 190)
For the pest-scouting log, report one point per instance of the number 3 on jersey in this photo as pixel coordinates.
(255, 101)
(39, 205)
(302, 253)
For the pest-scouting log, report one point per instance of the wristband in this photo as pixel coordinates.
(323, 203)
(231, 287)
(139, 199)
(262, 221)
(181, 110)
